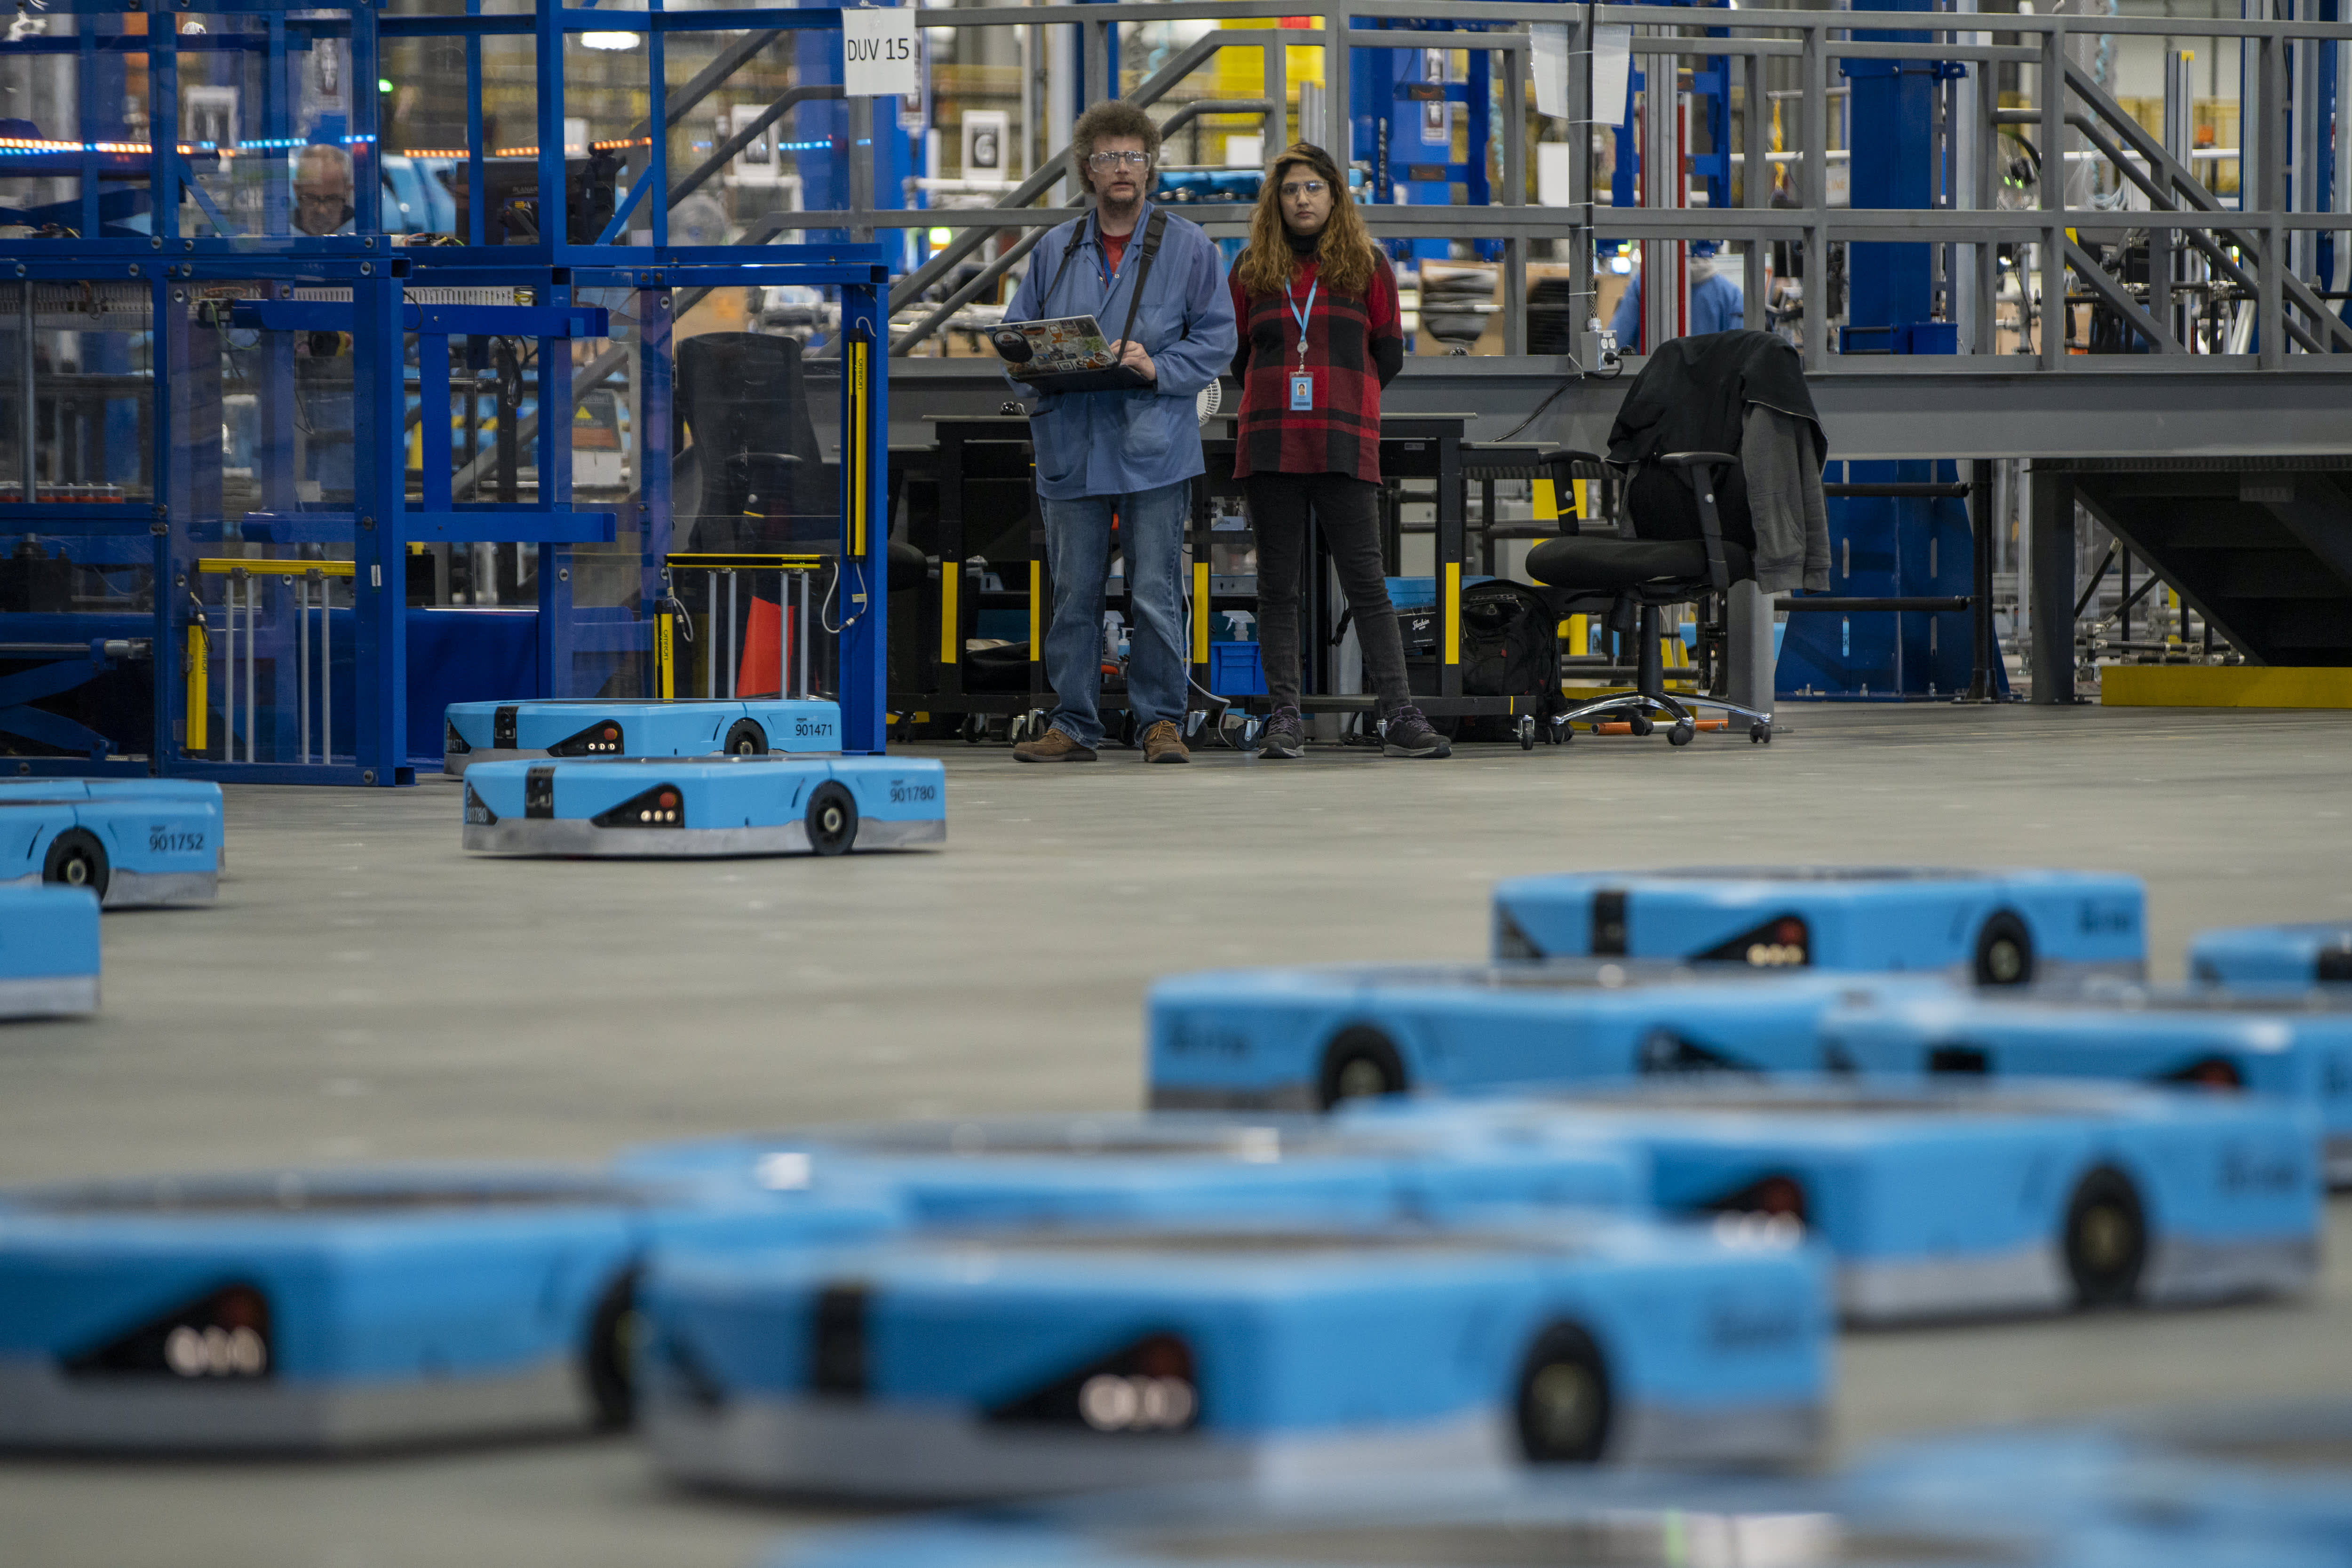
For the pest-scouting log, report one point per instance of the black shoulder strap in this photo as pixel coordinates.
(1077, 237)
(1151, 232)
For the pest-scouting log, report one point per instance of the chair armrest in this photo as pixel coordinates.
(1693, 459)
(1562, 461)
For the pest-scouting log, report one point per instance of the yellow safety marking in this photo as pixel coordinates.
(200, 655)
(1037, 598)
(258, 566)
(1200, 612)
(1579, 635)
(1453, 612)
(664, 651)
(2224, 686)
(1546, 499)
(858, 351)
(950, 643)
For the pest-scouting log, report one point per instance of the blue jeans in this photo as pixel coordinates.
(1078, 553)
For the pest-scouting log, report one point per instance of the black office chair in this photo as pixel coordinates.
(1691, 538)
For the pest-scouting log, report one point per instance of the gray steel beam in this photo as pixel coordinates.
(2052, 650)
(2119, 407)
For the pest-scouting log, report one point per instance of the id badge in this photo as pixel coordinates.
(1302, 391)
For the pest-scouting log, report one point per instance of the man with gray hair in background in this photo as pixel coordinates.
(1131, 452)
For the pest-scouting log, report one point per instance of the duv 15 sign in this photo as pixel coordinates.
(878, 51)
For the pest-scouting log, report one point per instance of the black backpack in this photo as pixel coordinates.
(1510, 648)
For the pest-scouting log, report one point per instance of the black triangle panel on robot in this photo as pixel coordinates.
(477, 732)
(291, 1311)
(695, 807)
(1945, 1199)
(2289, 1042)
(1076, 1358)
(2009, 927)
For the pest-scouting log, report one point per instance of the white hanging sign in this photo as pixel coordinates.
(878, 51)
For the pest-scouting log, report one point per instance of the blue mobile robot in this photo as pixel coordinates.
(1996, 928)
(49, 952)
(684, 808)
(299, 1310)
(1173, 1168)
(2295, 1044)
(1306, 1040)
(131, 850)
(1942, 1199)
(2317, 953)
(475, 733)
(1075, 1358)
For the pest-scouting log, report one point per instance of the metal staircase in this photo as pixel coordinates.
(2261, 547)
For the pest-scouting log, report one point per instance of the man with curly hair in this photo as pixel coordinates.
(1130, 453)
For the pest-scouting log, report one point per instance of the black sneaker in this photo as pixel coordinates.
(1409, 735)
(1284, 735)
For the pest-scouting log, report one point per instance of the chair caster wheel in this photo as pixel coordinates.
(1760, 734)
(1252, 732)
(975, 726)
(1680, 735)
(1527, 733)
(1640, 724)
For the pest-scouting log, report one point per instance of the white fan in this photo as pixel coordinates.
(1212, 398)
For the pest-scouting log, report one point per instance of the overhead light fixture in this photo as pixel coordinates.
(609, 40)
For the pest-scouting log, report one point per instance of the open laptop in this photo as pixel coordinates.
(1062, 345)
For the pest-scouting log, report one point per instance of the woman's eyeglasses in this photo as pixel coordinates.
(1304, 188)
(1104, 163)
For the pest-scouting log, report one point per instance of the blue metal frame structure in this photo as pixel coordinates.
(172, 266)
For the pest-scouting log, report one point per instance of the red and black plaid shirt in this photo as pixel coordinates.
(1341, 433)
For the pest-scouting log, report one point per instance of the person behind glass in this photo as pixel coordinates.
(1130, 453)
(1716, 301)
(1320, 335)
(322, 191)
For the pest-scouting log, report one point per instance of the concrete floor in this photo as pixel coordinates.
(364, 991)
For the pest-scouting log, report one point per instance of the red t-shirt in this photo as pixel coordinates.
(1114, 247)
(1341, 433)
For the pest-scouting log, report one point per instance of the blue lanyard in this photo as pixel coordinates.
(1299, 312)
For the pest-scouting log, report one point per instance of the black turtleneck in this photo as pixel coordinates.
(1388, 353)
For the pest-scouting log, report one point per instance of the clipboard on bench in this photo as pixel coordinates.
(1070, 353)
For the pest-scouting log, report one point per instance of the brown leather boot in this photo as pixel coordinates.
(1164, 743)
(1053, 746)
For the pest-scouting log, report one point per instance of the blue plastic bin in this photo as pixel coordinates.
(1237, 670)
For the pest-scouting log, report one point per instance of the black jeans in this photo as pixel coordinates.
(1344, 506)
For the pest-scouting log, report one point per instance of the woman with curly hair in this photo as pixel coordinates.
(1320, 335)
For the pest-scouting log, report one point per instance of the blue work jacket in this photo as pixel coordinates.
(1717, 306)
(1117, 443)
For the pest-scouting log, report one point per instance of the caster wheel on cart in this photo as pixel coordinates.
(1640, 724)
(974, 728)
(1527, 731)
(1253, 732)
(1015, 727)
(1760, 734)
(1680, 735)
